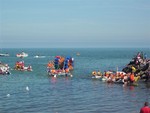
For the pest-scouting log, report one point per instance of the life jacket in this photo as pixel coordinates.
(133, 69)
(136, 78)
(132, 77)
(50, 65)
(52, 71)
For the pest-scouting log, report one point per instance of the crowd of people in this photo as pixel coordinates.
(60, 66)
(138, 68)
(117, 77)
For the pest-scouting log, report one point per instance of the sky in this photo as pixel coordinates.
(74, 23)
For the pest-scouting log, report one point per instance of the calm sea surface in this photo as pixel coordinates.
(79, 94)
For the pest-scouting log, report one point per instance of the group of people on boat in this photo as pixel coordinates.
(138, 68)
(21, 66)
(4, 68)
(60, 66)
(116, 77)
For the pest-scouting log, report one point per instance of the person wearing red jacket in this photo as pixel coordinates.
(145, 109)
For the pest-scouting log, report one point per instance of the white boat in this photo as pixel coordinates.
(4, 55)
(29, 68)
(22, 55)
(37, 56)
(78, 54)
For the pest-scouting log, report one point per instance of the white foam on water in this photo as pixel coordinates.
(27, 88)
(8, 95)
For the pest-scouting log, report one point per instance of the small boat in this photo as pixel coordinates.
(59, 73)
(20, 66)
(22, 55)
(4, 69)
(37, 56)
(78, 54)
(60, 66)
(4, 55)
(28, 68)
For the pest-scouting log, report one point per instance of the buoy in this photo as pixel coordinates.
(27, 88)
(71, 75)
(8, 95)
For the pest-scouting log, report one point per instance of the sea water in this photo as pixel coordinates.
(79, 94)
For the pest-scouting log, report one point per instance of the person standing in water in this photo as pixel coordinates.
(145, 109)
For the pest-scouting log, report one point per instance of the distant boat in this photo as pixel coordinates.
(4, 55)
(20, 66)
(78, 54)
(4, 69)
(37, 56)
(22, 55)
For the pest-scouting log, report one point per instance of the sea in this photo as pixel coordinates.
(37, 92)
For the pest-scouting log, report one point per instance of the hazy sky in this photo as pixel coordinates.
(74, 23)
